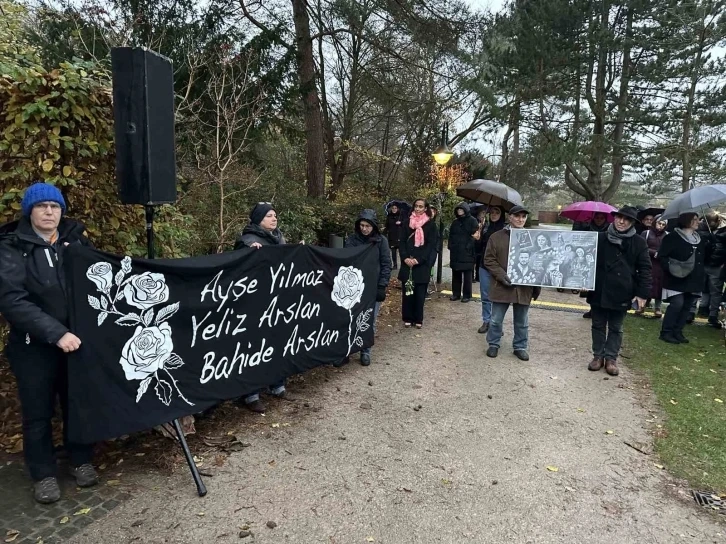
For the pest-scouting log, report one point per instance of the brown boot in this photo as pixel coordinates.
(595, 364)
(611, 367)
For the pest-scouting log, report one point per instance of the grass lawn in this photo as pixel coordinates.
(689, 381)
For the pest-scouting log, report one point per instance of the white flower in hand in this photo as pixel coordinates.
(146, 351)
(146, 290)
(102, 275)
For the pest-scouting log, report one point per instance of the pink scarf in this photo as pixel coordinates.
(416, 222)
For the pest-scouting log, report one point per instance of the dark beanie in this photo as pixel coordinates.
(259, 212)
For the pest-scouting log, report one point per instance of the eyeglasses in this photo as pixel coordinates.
(54, 206)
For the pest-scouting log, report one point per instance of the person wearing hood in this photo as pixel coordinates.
(654, 237)
(622, 279)
(394, 225)
(262, 231)
(504, 294)
(463, 234)
(682, 255)
(496, 223)
(33, 301)
(366, 232)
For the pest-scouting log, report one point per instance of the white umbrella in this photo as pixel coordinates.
(491, 193)
(696, 201)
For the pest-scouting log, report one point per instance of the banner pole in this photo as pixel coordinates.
(201, 488)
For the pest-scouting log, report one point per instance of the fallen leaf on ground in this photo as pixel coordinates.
(658, 466)
(64, 520)
(675, 368)
(580, 410)
(718, 400)
(113, 482)
(445, 481)
(608, 432)
(275, 425)
(370, 539)
(200, 514)
(12, 534)
(82, 512)
(673, 401)
(552, 469)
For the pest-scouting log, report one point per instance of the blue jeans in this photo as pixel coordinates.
(485, 279)
(521, 325)
(376, 309)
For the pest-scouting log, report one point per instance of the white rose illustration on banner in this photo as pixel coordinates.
(348, 286)
(149, 354)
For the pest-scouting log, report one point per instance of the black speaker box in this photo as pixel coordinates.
(143, 109)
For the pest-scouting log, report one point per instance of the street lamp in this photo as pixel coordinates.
(442, 155)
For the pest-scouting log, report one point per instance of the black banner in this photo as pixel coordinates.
(162, 339)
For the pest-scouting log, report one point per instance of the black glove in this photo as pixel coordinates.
(381, 294)
(506, 281)
(536, 293)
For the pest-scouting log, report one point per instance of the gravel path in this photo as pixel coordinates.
(363, 463)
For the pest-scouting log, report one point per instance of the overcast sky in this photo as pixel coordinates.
(493, 5)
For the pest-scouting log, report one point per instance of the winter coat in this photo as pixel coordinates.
(653, 240)
(255, 234)
(461, 244)
(675, 247)
(393, 231)
(590, 226)
(423, 254)
(375, 238)
(621, 273)
(715, 247)
(486, 233)
(496, 259)
(32, 280)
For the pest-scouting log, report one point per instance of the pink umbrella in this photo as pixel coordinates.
(583, 211)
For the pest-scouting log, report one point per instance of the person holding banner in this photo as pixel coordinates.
(418, 242)
(33, 301)
(622, 278)
(503, 293)
(366, 232)
(262, 231)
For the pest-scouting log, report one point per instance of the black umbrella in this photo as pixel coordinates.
(650, 211)
(404, 206)
(491, 193)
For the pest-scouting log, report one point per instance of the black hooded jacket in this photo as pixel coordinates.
(384, 251)
(255, 234)
(461, 244)
(487, 232)
(32, 283)
(393, 230)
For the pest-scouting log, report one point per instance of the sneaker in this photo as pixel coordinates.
(587, 315)
(611, 367)
(484, 328)
(46, 491)
(521, 354)
(667, 337)
(85, 475)
(596, 364)
(365, 359)
(492, 352)
(714, 322)
(256, 406)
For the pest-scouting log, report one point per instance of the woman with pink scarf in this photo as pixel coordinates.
(418, 242)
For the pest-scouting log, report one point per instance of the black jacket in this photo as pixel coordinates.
(393, 231)
(32, 282)
(384, 252)
(715, 247)
(486, 233)
(590, 226)
(462, 247)
(621, 273)
(675, 247)
(423, 254)
(253, 233)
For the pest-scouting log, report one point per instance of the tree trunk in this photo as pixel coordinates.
(688, 114)
(314, 152)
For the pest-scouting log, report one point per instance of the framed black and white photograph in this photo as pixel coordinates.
(553, 258)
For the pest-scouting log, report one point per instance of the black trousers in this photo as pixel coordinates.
(412, 306)
(676, 315)
(42, 374)
(461, 278)
(477, 266)
(394, 256)
(607, 332)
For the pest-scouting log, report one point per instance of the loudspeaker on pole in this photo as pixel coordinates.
(143, 106)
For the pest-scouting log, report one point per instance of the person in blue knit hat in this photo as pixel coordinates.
(33, 302)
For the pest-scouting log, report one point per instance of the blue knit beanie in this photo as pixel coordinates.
(41, 192)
